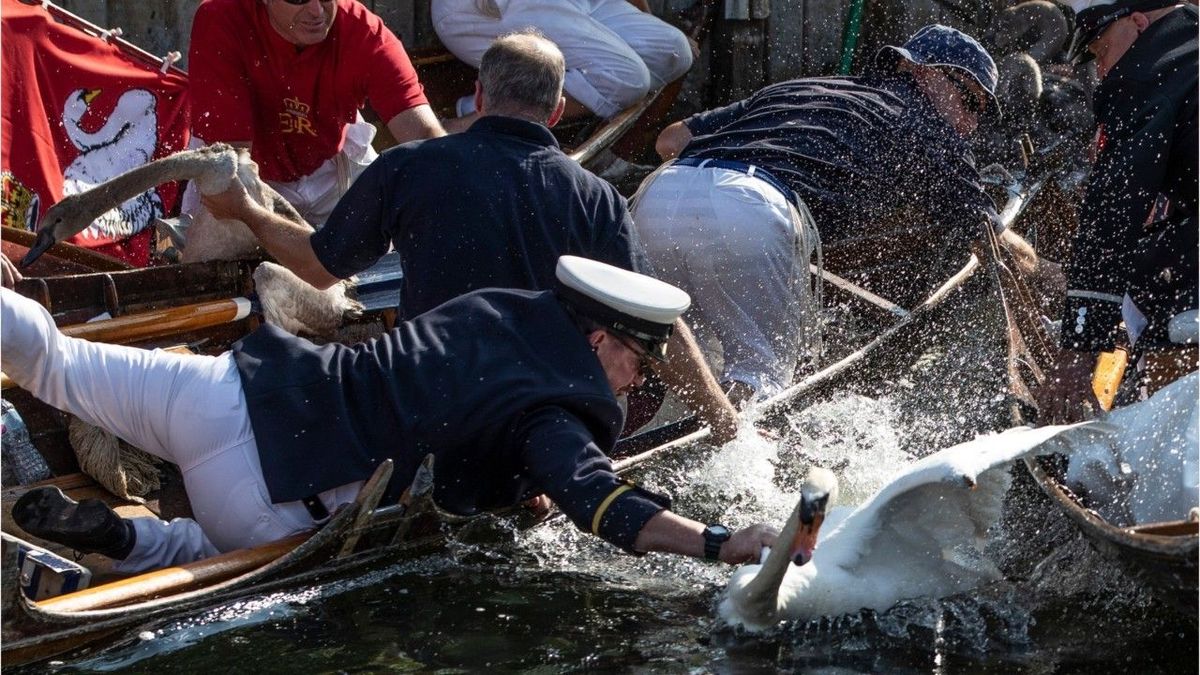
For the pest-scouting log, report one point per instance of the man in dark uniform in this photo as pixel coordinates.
(511, 391)
(494, 206)
(1134, 255)
(729, 219)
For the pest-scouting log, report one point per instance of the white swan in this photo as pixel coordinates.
(127, 139)
(920, 535)
(289, 301)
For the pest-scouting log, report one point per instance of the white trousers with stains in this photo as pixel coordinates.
(189, 410)
(741, 250)
(615, 53)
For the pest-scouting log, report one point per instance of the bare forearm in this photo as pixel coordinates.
(288, 242)
(689, 377)
(640, 4)
(669, 532)
(415, 123)
(673, 140)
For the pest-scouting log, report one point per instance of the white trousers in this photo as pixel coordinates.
(315, 195)
(186, 409)
(741, 250)
(615, 53)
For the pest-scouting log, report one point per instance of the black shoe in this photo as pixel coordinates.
(89, 526)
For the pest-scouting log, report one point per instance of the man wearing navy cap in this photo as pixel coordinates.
(1133, 257)
(512, 391)
(734, 218)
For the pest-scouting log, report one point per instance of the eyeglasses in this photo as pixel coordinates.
(645, 361)
(967, 95)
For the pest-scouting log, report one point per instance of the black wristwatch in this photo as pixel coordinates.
(714, 535)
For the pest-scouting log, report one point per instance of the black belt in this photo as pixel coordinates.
(316, 508)
(751, 170)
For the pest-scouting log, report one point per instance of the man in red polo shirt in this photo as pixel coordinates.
(288, 77)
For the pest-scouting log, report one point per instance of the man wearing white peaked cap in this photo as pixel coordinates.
(512, 391)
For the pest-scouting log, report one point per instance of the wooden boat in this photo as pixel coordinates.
(1164, 555)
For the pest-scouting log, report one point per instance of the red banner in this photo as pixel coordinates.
(77, 111)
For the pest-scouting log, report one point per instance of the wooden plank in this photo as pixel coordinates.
(1175, 528)
(158, 26)
(785, 37)
(821, 39)
(90, 10)
(93, 261)
(397, 16)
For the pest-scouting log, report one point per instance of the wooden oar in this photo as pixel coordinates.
(172, 580)
(640, 442)
(162, 322)
(858, 292)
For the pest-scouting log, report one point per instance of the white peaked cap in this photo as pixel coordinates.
(637, 305)
(1080, 5)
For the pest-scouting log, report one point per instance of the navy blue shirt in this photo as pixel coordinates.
(499, 385)
(1147, 110)
(855, 150)
(494, 206)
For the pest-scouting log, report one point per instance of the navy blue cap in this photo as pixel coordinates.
(1092, 17)
(942, 46)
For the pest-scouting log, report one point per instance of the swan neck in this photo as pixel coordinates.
(761, 595)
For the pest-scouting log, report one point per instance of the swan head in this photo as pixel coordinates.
(63, 220)
(754, 600)
(817, 494)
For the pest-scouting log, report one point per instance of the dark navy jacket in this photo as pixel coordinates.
(492, 207)
(854, 149)
(1147, 110)
(498, 384)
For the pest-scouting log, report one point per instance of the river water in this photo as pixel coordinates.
(550, 599)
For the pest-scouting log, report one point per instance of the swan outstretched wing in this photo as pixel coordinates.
(920, 535)
(936, 492)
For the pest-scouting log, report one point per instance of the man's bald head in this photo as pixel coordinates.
(521, 75)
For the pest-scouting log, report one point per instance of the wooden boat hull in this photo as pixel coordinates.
(1164, 556)
(1168, 564)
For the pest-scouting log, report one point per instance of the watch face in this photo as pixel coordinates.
(717, 532)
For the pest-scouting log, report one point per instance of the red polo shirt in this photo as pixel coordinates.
(249, 83)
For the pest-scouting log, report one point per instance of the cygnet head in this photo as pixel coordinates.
(817, 494)
(63, 220)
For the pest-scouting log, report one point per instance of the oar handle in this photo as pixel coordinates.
(161, 322)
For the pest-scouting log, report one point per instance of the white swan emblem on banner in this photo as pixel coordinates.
(128, 139)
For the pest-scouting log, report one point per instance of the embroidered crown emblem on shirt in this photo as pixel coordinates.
(294, 118)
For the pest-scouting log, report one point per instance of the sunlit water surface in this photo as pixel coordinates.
(551, 599)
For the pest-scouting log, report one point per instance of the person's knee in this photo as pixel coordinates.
(671, 60)
(618, 85)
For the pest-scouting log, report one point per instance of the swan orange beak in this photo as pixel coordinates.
(812, 515)
(805, 541)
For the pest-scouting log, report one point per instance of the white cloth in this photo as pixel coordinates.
(615, 53)
(741, 250)
(315, 195)
(186, 409)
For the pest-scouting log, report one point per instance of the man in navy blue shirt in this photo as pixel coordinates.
(494, 206)
(1133, 258)
(731, 220)
(513, 392)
